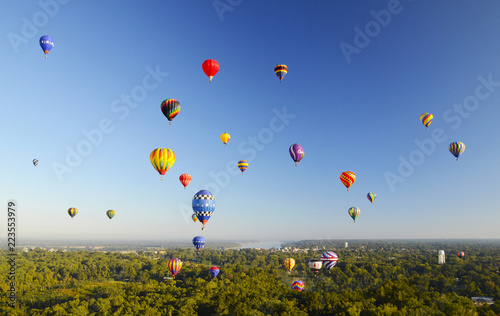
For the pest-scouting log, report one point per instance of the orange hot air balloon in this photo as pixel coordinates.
(210, 67)
(347, 178)
(225, 137)
(185, 179)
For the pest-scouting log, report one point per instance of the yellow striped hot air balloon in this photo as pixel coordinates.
(289, 263)
(426, 119)
(243, 165)
(348, 178)
(72, 211)
(162, 160)
(110, 213)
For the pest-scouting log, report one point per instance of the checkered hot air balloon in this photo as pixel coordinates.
(348, 178)
(329, 259)
(203, 206)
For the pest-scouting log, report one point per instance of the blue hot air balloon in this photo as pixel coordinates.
(198, 242)
(214, 271)
(46, 43)
(203, 206)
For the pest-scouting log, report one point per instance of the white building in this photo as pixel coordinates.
(441, 257)
(346, 244)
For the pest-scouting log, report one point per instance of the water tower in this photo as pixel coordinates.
(441, 257)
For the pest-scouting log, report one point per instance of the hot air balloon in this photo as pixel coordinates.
(35, 162)
(110, 213)
(185, 179)
(315, 266)
(456, 148)
(72, 212)
(174, 265)
(198, 242)
(298, 285)
(296, 152)
(214, 271)
(225, 137)
(203, 206)
(426, 119)
(347, 178)
(170, 108)
(329, 259)
(281, 71)
(46, 43)
(162, 159)
(289, 263)
(354, 212)
(371, 196)
(194, 218)
(243, 165)
(460, 254)
(210, 67)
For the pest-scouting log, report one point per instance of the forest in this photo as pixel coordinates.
(370, 278)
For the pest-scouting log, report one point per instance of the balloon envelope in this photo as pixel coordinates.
(460, 254)
(289, 263)
(214, 271)
(198, 242)
(203, 206)
(185, 179)
(298, 285)
(348, 178)
(354, 212)
(329, 259)
(174, 265)
(281, 71)
(296, 152)
(194, 218)
(456, 148)
(170, 108)
(72, 212)
(225, 137)
(110, 213)
(46, 43)
(35, 162)
(426, 119)
(210, 67)
(243, 165)
(162, 160)
(371, 196)
(315, 266)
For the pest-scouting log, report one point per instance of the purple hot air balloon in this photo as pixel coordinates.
(296, 152)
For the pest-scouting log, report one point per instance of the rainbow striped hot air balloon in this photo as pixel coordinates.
(72, 212)
(174, 265)
(289, 263)
(243, 165)
(371, 196)
(329, 259)
(225, 137)
(170, 108)
(354, 213)
(281, 71)
(348, 178)
(460, 254)
(456, 148)
(162, 160)
(298, 285)
(426, 119)
(110, 214)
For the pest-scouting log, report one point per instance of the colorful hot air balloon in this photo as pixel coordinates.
(110, 213)
(72, 212)
(347, 178)
(243, 165)
(225, 137)
(198, 242)
(371, 196)
(315, 266)
(354, 212)
(298, 285)
(329, 259)
(185, 179)
(214, 271)
(289, 263)
(194, 218)
(170, 108)
(281, 71)
(203, 206)
(210, 67)
(426, 119)
(460, 254)
(162, 159)
(35, 162)
(46, 43)
(456, 148)
(296, 152)
(174, 265)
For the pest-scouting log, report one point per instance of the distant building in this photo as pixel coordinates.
(441, 257)
(480, 300)
(346, 244)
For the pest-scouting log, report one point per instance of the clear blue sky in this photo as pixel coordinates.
(360, 75)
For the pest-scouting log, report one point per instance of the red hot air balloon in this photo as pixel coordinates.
(210, 67)
(185, 179)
